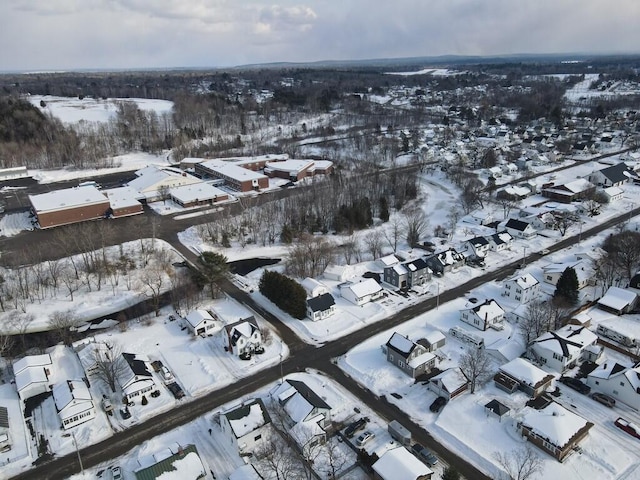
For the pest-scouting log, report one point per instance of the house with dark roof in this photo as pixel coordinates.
(613, 176)
(621, 382)
(564, 348)
(407, 274)
(410, 357)
(321, 307)
(520, 229)
(570, 191)
(175, 463)
(500, 241)
(445, 261)
(478, 245)
(248, 426)
(494, 407)
(137, 379)
(243, 338)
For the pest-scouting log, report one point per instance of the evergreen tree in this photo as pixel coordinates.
(450, 473)
(214, 268)
(384, 209)
(567, 287)
(285, 292)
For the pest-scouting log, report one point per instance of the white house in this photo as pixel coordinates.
(247, 426)
(522, 288)
(478, 245)
(449, 384)
(485, 315)
(362, 292)
(137, 380)
(399, 464)
(613, 193)
(32, 375)
(313, 287)
(244, 337)
(552, 272)
(564, 348)
(321, 307)
(73, 403)
(520, 229)
(500, 241)
(200, 322)
(622, 382)
(339, 273)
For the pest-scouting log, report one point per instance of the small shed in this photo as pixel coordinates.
(433, 340)
(494, 407)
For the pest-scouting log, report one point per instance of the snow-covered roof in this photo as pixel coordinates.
(488, 309)
(313, 287)
(613, 191)
(525, 281)
(525, 372)
(421, 359)
(73, 397)
(628, 325)
(123, 197)
(554, 423)
(150, 178)
(366, 287)
(290, 166)
(196, 192)
(579, 185)
(67, 198)
(618, 298)
(452, 379)
(567, 341)
(232, 170)
(611, 369)
(181, 464)
(196, 317)
(247, 418)
(388, 260)
(30, 376)
(245, 472)
(400, 269)
(400, 464)
(401, 343)
(434, 337)
(31, 361)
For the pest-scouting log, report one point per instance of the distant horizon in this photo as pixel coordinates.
(399, 61)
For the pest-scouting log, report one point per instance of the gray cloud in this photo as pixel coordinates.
(64, 34)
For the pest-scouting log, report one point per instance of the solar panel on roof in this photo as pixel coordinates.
(4, 417)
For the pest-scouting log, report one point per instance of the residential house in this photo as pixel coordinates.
(445, 261)
(339, 273)
(519, 374)
(613, 194)
(478, 217)
(433, 340)
(361, 292)
(32, 375)
(410, 357)
(449, 384)
(522, 289)
(73, 403)
(201, 322)
(478, 245)
(564, 348)
(407, 274)
(613, 176)
(622, 382)
(388, 261)
(553, 429)
(243, 338)
(177, 462)
(321, 307)
(569, 192)
(247, 426)
(500, 241)
(552, 272)
(399, 464)
(618, 300)
(137, 379)
(484, 315)
(520, 229)
(313, 287)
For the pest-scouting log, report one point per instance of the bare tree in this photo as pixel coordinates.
(415, 224)
(277, 459)
(535, 322)
(606, 271)
(393, 232)
(563, 220)
(20, 324)
(152, 283)
(163, 193)
(475, 363)
(61, 323)
(373, 242)
(520, 464)
(109, 364)
(507, 205)
(6, 342)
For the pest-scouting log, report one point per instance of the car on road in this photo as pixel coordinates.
(364, 438)
(438, 404)
(544, 251)
(424, 454)
(354, 427)
(631, 428)
(576, 384)
(604, 399)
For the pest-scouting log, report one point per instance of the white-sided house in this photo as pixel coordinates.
(618, 301)
(399, 464)
(137, 381)
(410, 357)
(478, 245)
(244, 337)
(449, 384)
(622, 382)
(522, 289)
(247, 426)
(500, 241)
(339, 273)
(485, 315)
(73, 403)
(564, 348)
(32, 375)
(552, 272)
(313, 287)
(321, 307)
(519, 229)
(613, 194)
(362, 292)
(553, 429)
(200, 322)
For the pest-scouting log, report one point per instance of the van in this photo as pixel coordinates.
(399, 433)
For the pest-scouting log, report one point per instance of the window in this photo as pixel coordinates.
(400, 363)
(518, 290)
(549, 278)
(257, 437)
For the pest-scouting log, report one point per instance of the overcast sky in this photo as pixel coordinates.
(79, 34)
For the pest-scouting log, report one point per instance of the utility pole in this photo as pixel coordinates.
(75, 442)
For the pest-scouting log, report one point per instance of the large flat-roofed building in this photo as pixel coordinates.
(124, 201)
(70, 205)
(197, 194)
(235, 176)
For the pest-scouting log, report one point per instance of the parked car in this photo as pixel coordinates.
(604, 399)
(354, 427)
(125, 413)
(424, 454)
(364, 438)
(576, 384)
(116, 473)
(176, 390)
(631, 428)
(438, 404)
(166, 373)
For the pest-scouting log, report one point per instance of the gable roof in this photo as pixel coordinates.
(525, 281)
(618, 298)
(516, 224)
(525, 372)
(31, 361)
(401, 344)
(248, 417)
(400, 464)
(183, 464)
(488, 309)
(321, 303)
(196, 317)
(137, 365)
(567, 339)
(555, 423)
(241, 328)
(616, 173)
(308, 394)
(478, 241)
(498, 408)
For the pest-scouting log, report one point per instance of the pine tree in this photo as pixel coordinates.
(567, 287)
(450, 474)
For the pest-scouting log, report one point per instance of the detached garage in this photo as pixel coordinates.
(70, 205)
